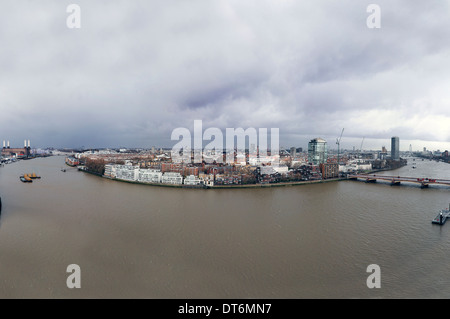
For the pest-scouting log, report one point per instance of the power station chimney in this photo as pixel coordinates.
(4, 143)
(25, 143)
(8, 144)
(29, 144)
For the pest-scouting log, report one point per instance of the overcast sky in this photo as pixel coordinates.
(136, 70)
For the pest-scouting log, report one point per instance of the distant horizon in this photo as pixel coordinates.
(429, 145)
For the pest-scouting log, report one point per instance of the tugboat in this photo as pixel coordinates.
(26, 179)
(34, 176)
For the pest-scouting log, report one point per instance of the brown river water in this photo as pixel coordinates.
(137, 241)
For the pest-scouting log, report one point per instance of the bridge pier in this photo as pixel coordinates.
(424, 185)
(395, 183)
(371, 180)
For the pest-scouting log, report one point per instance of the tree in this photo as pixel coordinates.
(96, 166)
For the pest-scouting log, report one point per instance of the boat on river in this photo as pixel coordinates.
(34, 176)
(441, 218)
(25, 179)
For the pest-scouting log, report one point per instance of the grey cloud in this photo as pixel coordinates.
(138, 69)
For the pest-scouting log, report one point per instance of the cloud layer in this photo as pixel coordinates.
(138, 69)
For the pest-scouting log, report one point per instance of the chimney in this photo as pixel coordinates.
(25, 143)
(4, 143)
(8, 144)
(29, 144)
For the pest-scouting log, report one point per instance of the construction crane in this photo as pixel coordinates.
(338, 142)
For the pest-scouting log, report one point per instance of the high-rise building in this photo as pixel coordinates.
(317, 151)
(395, 148)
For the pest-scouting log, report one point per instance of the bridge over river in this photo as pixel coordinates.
(397, 180)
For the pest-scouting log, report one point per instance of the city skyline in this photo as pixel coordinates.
(135, 71)
(354, 144)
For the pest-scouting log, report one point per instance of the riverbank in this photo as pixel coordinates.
(285, 184)
(281, 184)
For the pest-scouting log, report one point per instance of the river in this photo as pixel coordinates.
(137, 241)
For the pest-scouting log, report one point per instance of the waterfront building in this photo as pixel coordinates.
(329, 170)
(172, 178)
(127, 172)
(317, 151)
(233, 179)
(207, 179)
(7, 151)
(356, 165)
(192, 180)
(72, 161)
(149, 176)
(395, 148)
(110, 171)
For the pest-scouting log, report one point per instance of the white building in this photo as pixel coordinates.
(256, 161)
(127, 172)
(267, 170)
(149, 176)
(281, 169)
(192, 180)
(172, 178)
(110, 171)
(133, 173)
(355, 165)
